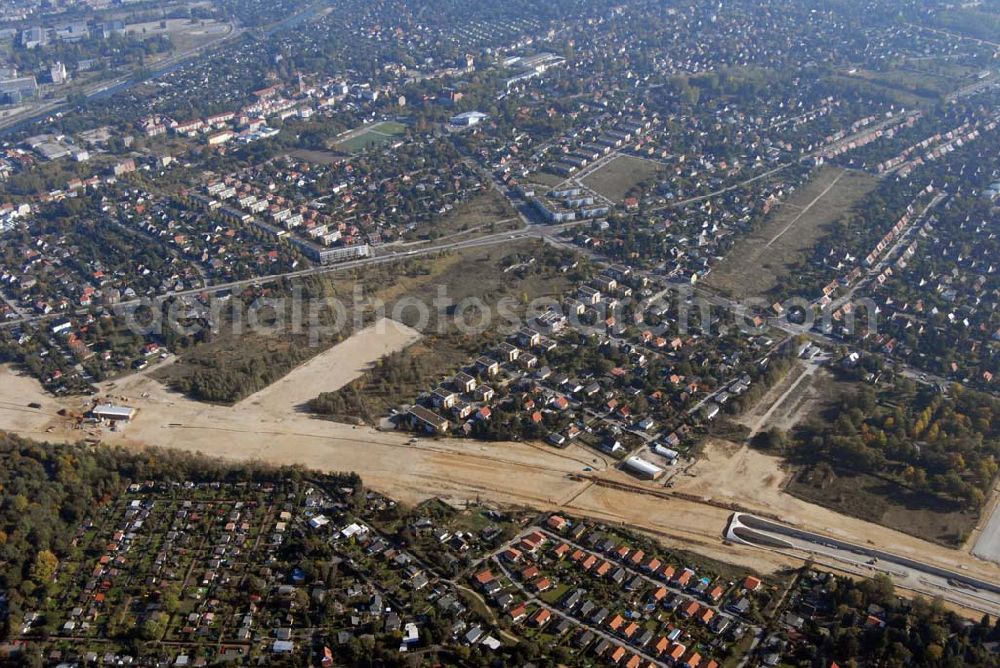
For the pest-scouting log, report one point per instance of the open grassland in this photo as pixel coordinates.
(975, 20)
(759, 262)
(421, 367)
(545, 180)
(619, 176)
(317, 157)
(236, 362)
(484, 212)
(885, 502)
(919, 82)
(184, 34)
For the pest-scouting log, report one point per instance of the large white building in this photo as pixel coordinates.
(643, 469)
(667, 453)
(468, 118)
(112, 412)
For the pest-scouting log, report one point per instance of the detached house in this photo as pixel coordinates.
(527, 337)
(443, 398)
(589, 296)
(464, 382)
(487, 366)
(422, 418)
(508, 352)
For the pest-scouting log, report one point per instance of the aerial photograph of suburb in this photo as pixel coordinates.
(500, 334)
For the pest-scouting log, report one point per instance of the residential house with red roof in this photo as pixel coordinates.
(692, 661)
(691, 609)
(541, 617)
(676, 652)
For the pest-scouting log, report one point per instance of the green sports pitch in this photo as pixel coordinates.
(371, 136)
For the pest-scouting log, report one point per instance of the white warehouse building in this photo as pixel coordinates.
(665, 452)
(641, 468)
(113, 413)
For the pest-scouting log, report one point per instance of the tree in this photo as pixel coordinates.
(153, 627)
(170, 598)
(772, 440)
(934, 652)
(880, 589)
(44, 567)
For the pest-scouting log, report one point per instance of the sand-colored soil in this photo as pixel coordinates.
(267, 426)
(331, 370)
(17, 391)
(270, 426)
(733, 473)
(789, 401)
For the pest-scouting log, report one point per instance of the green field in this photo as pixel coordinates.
(474, 214)
(761, 261)
(619, 177)
(370, 137)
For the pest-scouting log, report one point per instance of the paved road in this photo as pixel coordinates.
(804, 210)
(556, 612)
(774, 170)
(557, 538)
(812, 365)
(889, 255)
(100, 88)
(956, 35)
(987, 544)
(907, 572)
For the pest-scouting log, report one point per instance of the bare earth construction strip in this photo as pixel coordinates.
(524, 474)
